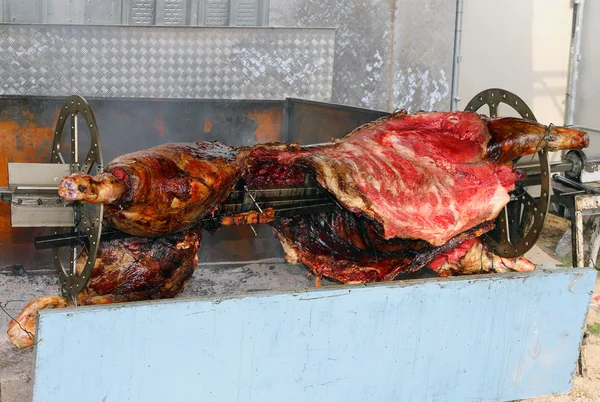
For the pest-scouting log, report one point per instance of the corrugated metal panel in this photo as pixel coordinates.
(120, 61)
(216, 13)
(137, 12)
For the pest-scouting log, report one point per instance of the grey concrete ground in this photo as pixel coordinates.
(16, 366)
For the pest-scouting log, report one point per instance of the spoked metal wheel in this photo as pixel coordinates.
(74, 263)
(520, 223)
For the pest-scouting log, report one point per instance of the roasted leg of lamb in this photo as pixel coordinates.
(160, 190)
(130, 269)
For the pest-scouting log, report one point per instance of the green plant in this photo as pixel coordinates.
(594, 328)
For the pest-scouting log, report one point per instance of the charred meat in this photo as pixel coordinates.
(160, 190)
(130, 269)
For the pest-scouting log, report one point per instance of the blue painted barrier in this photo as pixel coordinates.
(489, 338)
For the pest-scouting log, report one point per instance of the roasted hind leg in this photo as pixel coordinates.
(21, 330)
(130, 269)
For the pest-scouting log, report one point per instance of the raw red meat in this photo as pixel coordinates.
(424, 176)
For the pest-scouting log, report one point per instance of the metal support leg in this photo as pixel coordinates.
(577, 236)
(590, 203)
(594, 241)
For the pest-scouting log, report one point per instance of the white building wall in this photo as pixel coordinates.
(521, 46)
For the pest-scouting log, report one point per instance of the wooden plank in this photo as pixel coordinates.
(495, 337)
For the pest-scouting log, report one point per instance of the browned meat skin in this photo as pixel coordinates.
(130, 269)
(21, 330)
(473, 257)
(349, 249)
(513, 137)
(141, 268)
(168, 187)
(100, 189)
(249, 218)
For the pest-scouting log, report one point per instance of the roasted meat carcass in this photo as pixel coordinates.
(425, 176)
(412, 182)
(160, 190)
(130, 269)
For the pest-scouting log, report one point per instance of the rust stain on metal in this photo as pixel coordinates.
(160, 129)
(268, 124)
(20, 141)
(23, 142)
(207, 126)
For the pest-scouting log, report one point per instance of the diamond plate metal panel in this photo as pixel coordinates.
(390, 54)
(422, 68)
(122, 61)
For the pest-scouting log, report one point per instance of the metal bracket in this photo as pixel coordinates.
(520, 223)
(88, 217)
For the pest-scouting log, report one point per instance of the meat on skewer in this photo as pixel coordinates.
(425, 176)
(160, 190)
